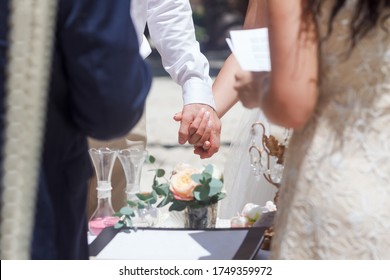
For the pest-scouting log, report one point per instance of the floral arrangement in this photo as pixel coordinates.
(187, 187)
(190, 187)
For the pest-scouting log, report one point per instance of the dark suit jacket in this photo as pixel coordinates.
(99, 84)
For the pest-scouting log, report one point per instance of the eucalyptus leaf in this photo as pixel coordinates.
(208, 169)
(164, 202)
(119, 225)
(160, 173)
(197, 178)
(177, 205)
(144, 196)
(128, 211)
(152, 200)
(154, 196)
(214, 191)
(155, 182)
(131, 203)
(197, 195)
(201, 193)
(128, 222)
(220, 196)
(150, 159)
(215, 187)
(206, 177)
(215, 183)
(141, 205)
(162, 189)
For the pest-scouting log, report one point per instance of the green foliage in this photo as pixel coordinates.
(207, 192)
(150, 159)
(125, 214)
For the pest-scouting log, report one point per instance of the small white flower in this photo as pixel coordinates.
(251, 211)
(269, 207)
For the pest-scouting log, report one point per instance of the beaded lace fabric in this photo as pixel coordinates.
(31, 38)
(334, 200)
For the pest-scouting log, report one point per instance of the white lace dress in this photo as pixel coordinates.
(335, 197)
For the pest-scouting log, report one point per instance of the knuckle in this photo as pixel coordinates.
(193, 127)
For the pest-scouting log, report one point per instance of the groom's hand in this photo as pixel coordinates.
(201, 127)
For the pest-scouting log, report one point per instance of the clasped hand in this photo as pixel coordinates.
(201, 127)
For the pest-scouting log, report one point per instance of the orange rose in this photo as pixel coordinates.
(182, 185)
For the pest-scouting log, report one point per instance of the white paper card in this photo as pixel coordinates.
(251, 49)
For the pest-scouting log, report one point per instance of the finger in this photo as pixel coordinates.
(206, 145)
(183, 129)
(204, 127)
(206, 136)
(194, 127)
(201, 152)
(207, 153)
(177, 117)
(214, 142)
(214, 147)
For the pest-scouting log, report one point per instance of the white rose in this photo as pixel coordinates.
(252, 212)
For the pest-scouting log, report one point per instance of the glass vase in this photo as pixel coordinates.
(201, 218)
(103, 161)
(132, 161)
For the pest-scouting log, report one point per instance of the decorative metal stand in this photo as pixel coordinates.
(267, 160)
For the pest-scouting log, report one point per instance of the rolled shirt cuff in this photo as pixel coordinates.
(198, 91)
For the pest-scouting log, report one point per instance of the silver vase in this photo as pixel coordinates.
(201, 218)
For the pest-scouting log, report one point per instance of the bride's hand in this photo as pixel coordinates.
(249, 86)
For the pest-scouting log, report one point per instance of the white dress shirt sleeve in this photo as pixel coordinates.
(173, 34)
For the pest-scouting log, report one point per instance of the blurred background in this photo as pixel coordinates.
(213, 20)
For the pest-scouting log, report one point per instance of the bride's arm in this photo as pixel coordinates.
(224, 94)
(292, 93)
